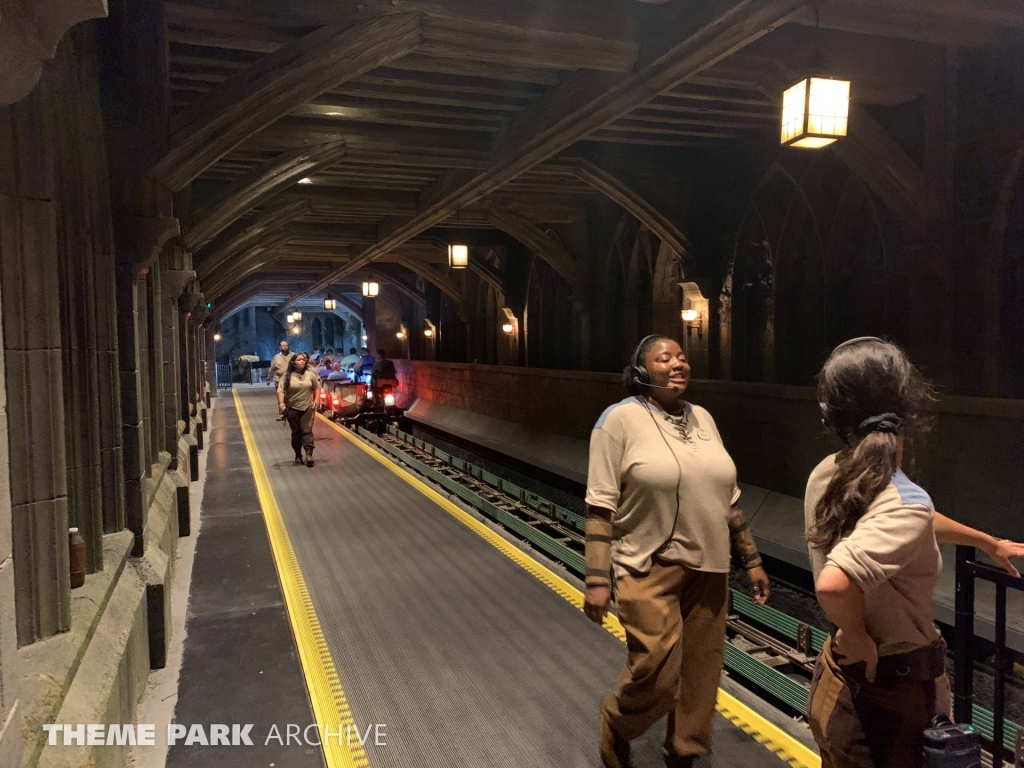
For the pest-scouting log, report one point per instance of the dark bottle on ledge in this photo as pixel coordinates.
(76, 544)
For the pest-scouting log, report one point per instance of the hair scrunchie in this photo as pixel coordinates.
(885, 422)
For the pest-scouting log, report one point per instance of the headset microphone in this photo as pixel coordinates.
(658, 386)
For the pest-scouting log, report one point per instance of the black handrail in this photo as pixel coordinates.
(967, 570)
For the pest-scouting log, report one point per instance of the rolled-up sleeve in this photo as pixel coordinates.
(604, 471)
(881, 544)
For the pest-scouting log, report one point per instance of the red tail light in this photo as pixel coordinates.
(337, 401)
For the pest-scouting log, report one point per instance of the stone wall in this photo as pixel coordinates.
(968, 462)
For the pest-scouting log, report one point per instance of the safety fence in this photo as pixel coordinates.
(1004, 736)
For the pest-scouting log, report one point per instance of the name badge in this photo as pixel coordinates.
(703, 434)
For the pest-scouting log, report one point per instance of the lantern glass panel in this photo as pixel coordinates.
(458, 256)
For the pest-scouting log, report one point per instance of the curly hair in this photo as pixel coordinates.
(291, 369)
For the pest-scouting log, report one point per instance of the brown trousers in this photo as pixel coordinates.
(861, 725)
(674, 619)
(301, 423)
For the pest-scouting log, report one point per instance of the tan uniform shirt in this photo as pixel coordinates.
(301, 393)
(279, 364)
(637, 461)
(892, 555)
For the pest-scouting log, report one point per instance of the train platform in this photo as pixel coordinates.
(355, 595)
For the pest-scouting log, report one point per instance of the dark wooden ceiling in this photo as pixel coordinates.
(482, 110)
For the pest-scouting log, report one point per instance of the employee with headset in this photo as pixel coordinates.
(662, 523)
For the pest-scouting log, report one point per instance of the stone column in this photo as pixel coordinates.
(34, 373)
(211, 360)
(174, 283)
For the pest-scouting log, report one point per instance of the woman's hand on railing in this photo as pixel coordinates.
(1003, 551)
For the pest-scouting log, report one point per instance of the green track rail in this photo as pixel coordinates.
(765, 677)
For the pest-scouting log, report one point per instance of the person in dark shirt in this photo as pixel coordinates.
(383, 368)
(366, 362)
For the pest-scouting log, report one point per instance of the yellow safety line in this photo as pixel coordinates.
(773, 738)
(330, 706)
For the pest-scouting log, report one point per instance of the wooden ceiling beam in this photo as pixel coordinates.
(688, 43)
(926, 22)
(256, 186)
(268, 220)
(233, 270)
(467, 68)
(618, 191)
(431, 275)
(451, 119)
(304, 233)
(534, 238)
(379, 202)
(405, 95)
(275, 85)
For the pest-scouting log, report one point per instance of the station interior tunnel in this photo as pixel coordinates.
(504, 198)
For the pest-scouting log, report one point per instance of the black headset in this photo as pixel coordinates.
(825, 417)
(638, 376)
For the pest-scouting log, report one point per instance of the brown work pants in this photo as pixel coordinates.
(862, 725)
(301, 423)
(674, 619)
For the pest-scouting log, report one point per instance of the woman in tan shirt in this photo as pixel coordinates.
(873, 538)
(296, 397)
(662, 524)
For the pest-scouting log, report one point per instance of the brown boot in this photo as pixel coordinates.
(614, 748)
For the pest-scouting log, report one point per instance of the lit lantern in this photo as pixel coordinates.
(458, 256)
(330, 304)
(508, 327)
(290, 319)
(689, 315)
(371, 289)
(400, 335)
(428, 332)
(297, 315)
(296, 330)
(217, 337)
(815, 112)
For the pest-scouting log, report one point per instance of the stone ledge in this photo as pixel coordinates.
(48, 668)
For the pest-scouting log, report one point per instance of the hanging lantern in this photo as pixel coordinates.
(330, 304)
(371, 289)
(296, 330)
(296, 315)
(290, 319)
(815, 112)
(458, 256)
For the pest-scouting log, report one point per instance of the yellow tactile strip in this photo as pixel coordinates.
(330, 706)
(780, 743)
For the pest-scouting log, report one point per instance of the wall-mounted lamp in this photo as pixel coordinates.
(400, 335)
(371, 289)
(693, 318)
(330, 304)
(508, 327)
(689, 315)
(815, 112)
(428, 332)
(306, 180)
(217, 337)
(364, 337)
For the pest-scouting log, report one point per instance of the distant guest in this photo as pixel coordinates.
(337, 374)
(296, 396)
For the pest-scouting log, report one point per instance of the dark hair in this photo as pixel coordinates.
(352, 350)
(291, 369)
(869, 392)
(382, 352)
(637, 359)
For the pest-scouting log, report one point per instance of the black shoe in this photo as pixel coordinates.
(309, 460)
(298, 460)
(679, 761)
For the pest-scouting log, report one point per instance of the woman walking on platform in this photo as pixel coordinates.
(873, 537)
(296, 397)
(662, 523)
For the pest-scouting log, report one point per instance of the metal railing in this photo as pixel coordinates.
(225, 373)
(968, 569)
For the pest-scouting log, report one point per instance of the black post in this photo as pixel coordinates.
(999, 698)
(963, 671)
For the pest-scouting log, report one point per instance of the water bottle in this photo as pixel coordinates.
(76, 547)
(950, 745)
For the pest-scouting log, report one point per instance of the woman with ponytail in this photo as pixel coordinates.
(873, 538)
